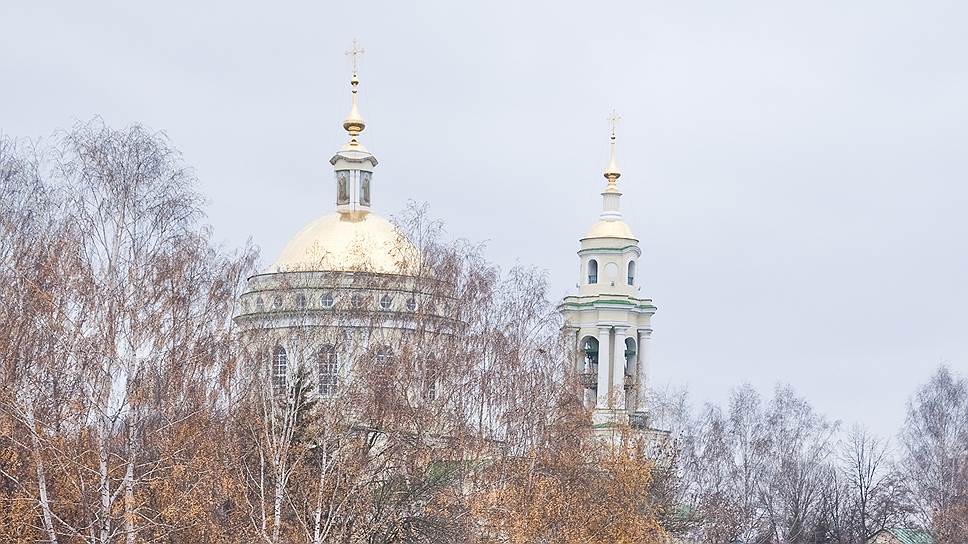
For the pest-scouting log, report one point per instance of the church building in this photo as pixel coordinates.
(349, 284)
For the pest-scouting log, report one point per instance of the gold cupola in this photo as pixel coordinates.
(353, 238)
(611, 223)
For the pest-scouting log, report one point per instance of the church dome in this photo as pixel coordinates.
(344, 242)
(610, 229)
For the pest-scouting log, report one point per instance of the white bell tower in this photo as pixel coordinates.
(609, 320)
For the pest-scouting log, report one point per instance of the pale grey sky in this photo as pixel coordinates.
(795, 171)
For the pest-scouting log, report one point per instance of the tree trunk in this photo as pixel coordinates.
(41, 478)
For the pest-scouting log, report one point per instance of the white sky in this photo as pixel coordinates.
(796, 172)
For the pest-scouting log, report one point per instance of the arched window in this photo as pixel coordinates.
(631, 272)
(327, 300)
(328, 371)
(430, 381)
(260, 305)
(593, 271)
(280, 363)
(386, 302)
(276, 302)
(301, 301)
(357, 301)
(411, 304)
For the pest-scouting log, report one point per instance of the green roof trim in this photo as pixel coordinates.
(608, 302)
(608, 249)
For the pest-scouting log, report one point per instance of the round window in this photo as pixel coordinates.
(386, 301)
(357, 301)
(276, 302)
(327, 300)
(412, 304)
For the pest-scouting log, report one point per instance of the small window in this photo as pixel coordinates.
(328, 371)
(327, 300)
(301, 302)
(386, 302)
(260, 305)
(411, 304)
(593, 271)
(383, 355)
(631, 273)
(357, 301)
(276, 302)
(280, 363)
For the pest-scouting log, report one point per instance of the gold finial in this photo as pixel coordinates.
(354, 121)
(612, 172)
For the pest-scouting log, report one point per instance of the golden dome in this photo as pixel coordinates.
(350, 243)
(610, 229)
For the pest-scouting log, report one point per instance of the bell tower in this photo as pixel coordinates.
(609, 320)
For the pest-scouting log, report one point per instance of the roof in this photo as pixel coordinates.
(910, 536)
(610, 229)
(343, 242)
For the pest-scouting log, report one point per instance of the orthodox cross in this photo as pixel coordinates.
(613, 120)
(355, 54)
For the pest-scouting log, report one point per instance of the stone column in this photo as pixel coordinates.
(579, 365)
(604, 367)
(642, 367)
(618, 369)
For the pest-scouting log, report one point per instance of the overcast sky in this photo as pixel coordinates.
(796, 173)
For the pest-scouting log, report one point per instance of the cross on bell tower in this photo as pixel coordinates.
(355, 53)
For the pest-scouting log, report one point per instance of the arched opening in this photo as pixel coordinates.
(301, 301)
(631, 277)
(280, 370)
(589, 351)
(260, 305)
(630, 357)
(328, 370)
(593, 271)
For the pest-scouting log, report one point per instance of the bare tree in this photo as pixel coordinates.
(935, 455)
(124, 303)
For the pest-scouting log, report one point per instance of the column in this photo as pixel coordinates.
(618, 369)
(578, 368)
(604, 366)
(642, 368)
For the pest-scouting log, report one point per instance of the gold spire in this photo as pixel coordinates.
(353, 123)
(612, 172)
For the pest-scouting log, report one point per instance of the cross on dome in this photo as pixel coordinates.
(355, 53)
(612, 172)
(613, 120)
(353, 124)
